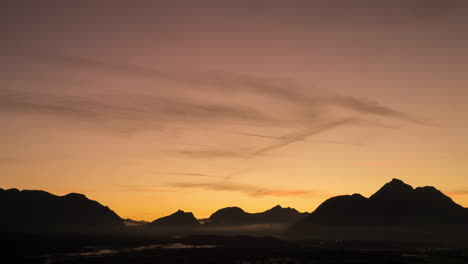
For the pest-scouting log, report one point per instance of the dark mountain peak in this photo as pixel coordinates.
(35, 210)
(281, 210)
(393, 189)
(76, 196)
(428, 190)
(180, 213)
(399, 194)
(233, 209)
(188, 215)
(228, 211)
(228, 215)
(398, 184)
(342, 203)
(237, 216)
(396, 204)
(178, 219)
(352, 197)
(434, 198)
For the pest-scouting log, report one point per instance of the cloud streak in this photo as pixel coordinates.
(152, 111)
(302, 135)
(188, 174)
(250, 190)
(278, 142)
(207, 153)
(258, 135)
(285, 137)
(313, 111)
(367, 106)
(277, 89)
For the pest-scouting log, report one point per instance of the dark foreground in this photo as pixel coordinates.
(218, 249)
(244, 255)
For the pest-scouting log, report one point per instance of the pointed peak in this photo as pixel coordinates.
(397, 183)
(277, 207)
(181, 212)
(179, 218)
(394, 188)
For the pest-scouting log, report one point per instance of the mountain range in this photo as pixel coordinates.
(396, 209)
(41, 211)
(178, 220)
(230, 220)
(232, 216)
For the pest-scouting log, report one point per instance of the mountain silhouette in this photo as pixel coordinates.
(29, 210)
(178, 220)
(236, 216)
(395, 205)
(229, 216)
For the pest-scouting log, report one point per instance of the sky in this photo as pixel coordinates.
(153, 106)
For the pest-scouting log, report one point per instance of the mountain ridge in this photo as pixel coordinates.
(394, 205)
(37, 210)
(237, 216)
(179, 219)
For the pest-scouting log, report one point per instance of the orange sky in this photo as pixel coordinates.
(151, 107)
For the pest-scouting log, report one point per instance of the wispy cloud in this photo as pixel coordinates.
(149, 189)
(187, 174)
(148, 111)
(302, 135)
(367, 106)
(278, 142)
(33, 101)
(142, 188)
(313, 110)
(207, 153)
(196, 174)
(285, 137)
(258, 135)
(282, 90)
(250, 190)
(337, 142)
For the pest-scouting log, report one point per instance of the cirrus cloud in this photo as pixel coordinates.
(250, 190)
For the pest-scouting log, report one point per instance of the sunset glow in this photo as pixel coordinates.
(199, 105)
